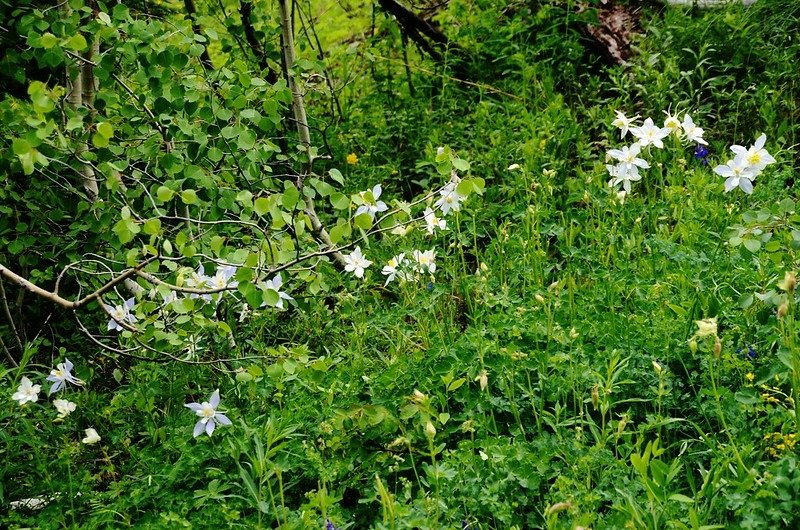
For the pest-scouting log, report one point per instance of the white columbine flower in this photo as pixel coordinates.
(450, 198)
(673, 124)
(27, 391)
(91, 436)
(199, 280)
(432, 222)
(222, 279)
(425, 261)
(64, 407)
(355, 262)
(693, 132)
(620, 174)
(374, 207)
(756, 156)
(209, 416)
(737, 173)
(623, 123)
(61, 376)
(392, 268)
(120, 314)
(628, 158)
(275, 284)
(513, 167)
(650, 134)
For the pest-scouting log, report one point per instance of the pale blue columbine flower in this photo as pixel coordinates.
(209, 417)
(61, 376)
(372, 207)
(275, 284)
(27, 392)
(120, 314)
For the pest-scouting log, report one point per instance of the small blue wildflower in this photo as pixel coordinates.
(329, 525)
(464, 524)
(700, 153)
(751, 352)
(430, 287)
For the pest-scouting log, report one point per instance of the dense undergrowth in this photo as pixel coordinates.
(553, 374)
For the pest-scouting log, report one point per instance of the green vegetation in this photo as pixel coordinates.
(578, 358)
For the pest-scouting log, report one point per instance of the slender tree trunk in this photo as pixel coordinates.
(301, 120)
(81, 89)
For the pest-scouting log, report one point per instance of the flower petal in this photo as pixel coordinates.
(199, 427)
(214, 401)
(222, 419)
(210, 426)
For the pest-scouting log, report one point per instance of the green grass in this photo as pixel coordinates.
(548, 377)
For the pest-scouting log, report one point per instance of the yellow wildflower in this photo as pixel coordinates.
(352, 159)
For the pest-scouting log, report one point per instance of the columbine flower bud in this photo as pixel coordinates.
(657, 367)
(789, 282)
(595, 397)
(539, 298)
(418, 397)
(430, 430)
(483, 379)
(783, 309)
(717, 348)
(693, 346)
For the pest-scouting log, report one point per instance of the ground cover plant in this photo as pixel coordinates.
(309, 265)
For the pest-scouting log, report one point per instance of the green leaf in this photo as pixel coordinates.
(340, 201)
(48, 40)
(261, 206)
(290, 197)
(189, 196)
(246, 140)
(363, 220)
(152, 226)
(753, 245)
(336, 175)
(76, 43)
(21, 146)
(460, 164)
(105, 130)
(164, 194)
(99, 141)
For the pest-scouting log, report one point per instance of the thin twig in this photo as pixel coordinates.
(7, 311)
